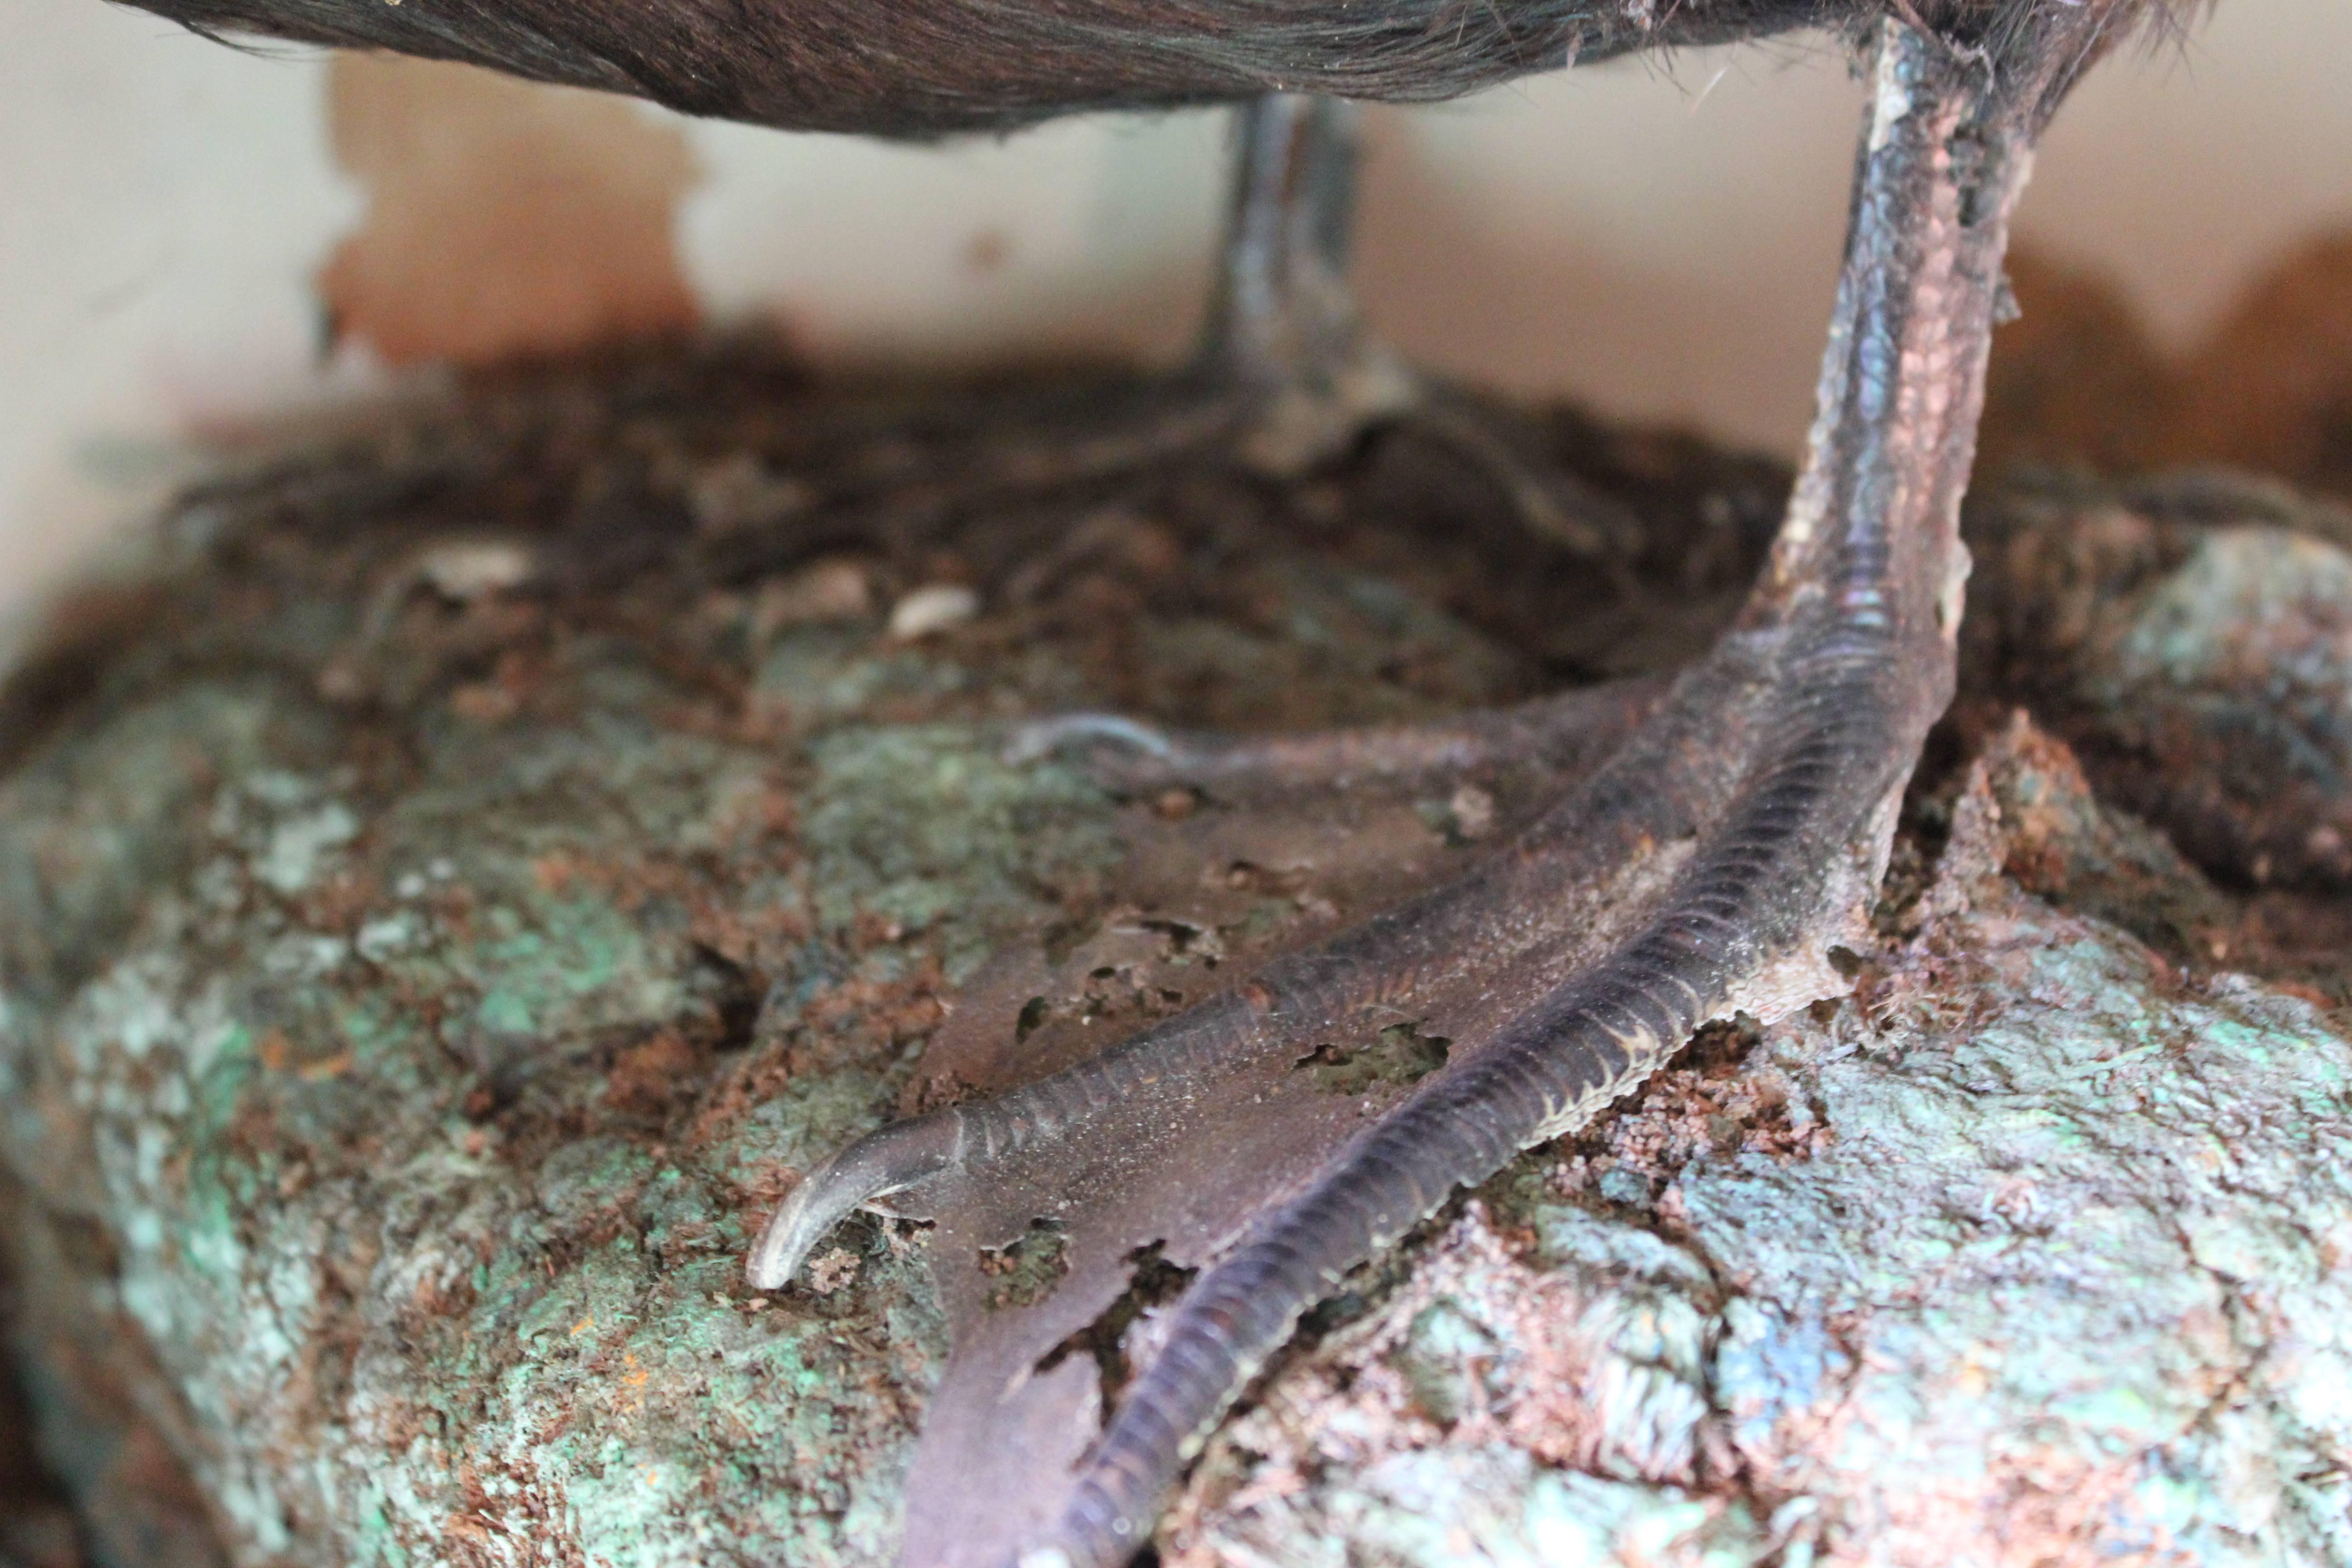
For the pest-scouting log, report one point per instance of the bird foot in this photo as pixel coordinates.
(1704, 854)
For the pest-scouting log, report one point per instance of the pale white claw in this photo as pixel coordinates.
(885, 1161)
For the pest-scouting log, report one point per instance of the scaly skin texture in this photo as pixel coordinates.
(1983, 1267)
(1704, 868)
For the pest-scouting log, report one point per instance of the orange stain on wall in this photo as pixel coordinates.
(503, 218)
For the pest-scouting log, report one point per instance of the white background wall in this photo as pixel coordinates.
(1659, 241)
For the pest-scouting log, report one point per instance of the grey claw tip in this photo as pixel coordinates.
(885, 1161)
(1042, 737)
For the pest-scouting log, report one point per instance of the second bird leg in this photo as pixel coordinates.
(1285, 335)
(1285, 377)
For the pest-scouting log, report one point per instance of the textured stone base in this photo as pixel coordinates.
(435, 930)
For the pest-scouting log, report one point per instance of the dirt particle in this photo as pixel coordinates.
(1027, 1270)
(1474, 811)
(987, 252)
(484, 702)
(1399, 1055)
(932, 609)
(464, 570)
(644, 1077)
(832, 1271)
(828, 592)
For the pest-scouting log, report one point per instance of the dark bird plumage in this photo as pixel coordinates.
(918, 68)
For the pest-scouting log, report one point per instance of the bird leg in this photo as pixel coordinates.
(1285, 347)
(1282, 325)
(1284, 332)
(1711, 864)
(1285, 376)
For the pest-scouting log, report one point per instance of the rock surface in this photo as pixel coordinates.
(434, 934)
(2192, 635)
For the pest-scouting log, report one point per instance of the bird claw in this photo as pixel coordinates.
(889, 1160)
(1039, 739)
(1566, 735)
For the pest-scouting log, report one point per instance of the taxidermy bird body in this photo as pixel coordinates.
(1713, 841)
(917, 68)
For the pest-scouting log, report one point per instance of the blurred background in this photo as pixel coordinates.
(195, 240)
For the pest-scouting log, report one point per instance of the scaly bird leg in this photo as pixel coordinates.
(1708, 866)
(1282, 325)
(1284, 331)
(1862, 598)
